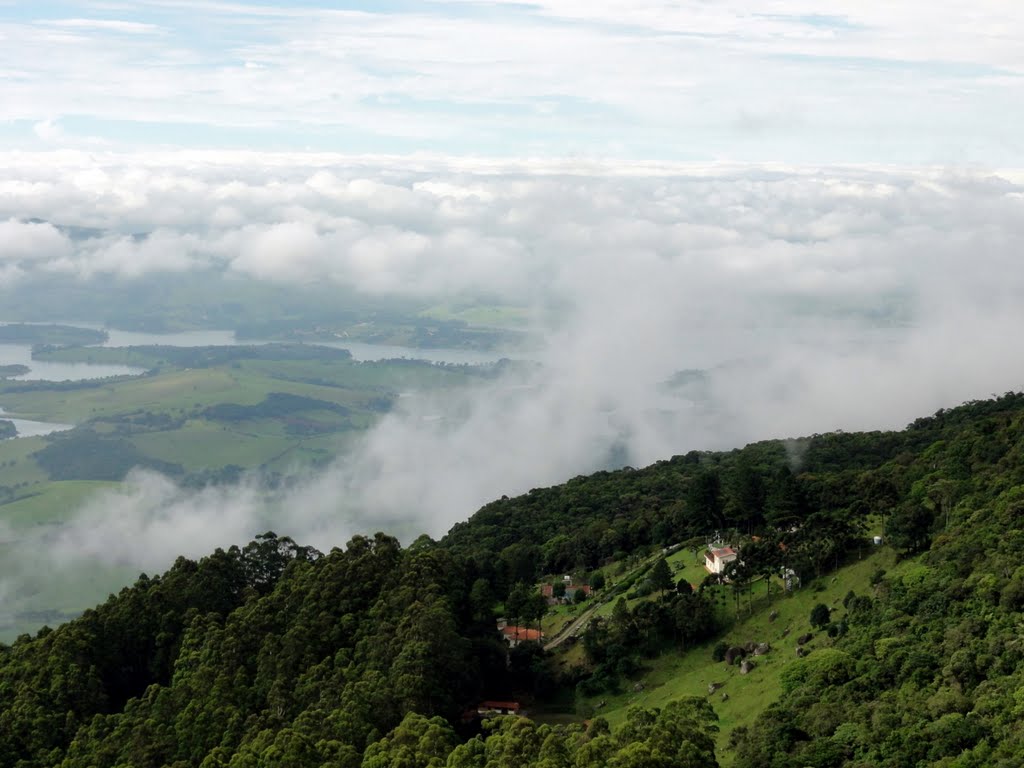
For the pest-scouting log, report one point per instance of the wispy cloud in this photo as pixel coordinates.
(106, 25)
(642, 79)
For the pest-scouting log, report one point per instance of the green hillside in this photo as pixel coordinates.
(378, 655)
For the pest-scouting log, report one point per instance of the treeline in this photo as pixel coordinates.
(55, 335)
(82, 454)
(195, 357)
(69, 385)
(274, 406)
(826, 486)
(678, 736)
(614, 647)
(272, 652)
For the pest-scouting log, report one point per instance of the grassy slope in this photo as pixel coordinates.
(673, 675)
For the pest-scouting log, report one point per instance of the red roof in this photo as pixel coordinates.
(547, 590)
(521, 633)
(513, 705)
(723, 552)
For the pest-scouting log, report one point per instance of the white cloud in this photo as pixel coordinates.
(107, 25)
(749, 80)
(814, 299)
(31, 242)
(48, 130)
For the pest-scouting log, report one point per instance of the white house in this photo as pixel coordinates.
(716, 558)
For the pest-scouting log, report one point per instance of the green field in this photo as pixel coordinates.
(50, 502)
(689, 673)
(675, 675)
(495, 316)
(200, 415)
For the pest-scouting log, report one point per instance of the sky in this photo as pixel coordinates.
(793, 81)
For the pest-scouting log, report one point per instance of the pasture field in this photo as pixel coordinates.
(495, 316)
(50, 503)
(238, 409)
(674, 675)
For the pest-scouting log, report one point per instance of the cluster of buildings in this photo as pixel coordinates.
(568, 596)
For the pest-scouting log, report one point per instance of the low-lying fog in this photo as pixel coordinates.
(811, 300)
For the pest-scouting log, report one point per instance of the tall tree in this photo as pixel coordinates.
(661, 576)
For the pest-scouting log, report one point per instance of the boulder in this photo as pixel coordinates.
(725, 697)
(735, 652)
(773, 616)
(801, 652)
(746, 666)
(804, 639)
(712, 687)
(762, 649)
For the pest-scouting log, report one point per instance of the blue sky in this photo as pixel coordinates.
(934, 83)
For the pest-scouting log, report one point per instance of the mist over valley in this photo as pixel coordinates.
(640, 315)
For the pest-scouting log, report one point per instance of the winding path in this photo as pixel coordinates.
(573, 628)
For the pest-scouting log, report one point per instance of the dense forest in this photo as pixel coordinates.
(374, 654)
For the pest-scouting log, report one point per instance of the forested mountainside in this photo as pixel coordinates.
(373, 655)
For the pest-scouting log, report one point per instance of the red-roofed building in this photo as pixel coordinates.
(515, 635)
(498, 708)
(570, 592)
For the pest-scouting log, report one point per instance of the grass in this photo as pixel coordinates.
(480, 315)
(52, 502)
(674, 675)
(52, 595)
(371, 375)
(169, 392)
(559, 616)
(39, 505)
(17, 465)
(203, 444)
(164, 393)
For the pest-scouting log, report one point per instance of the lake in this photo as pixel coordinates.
(21, 354)
(28, 428)
(57, 371)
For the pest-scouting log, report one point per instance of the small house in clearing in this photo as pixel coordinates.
(498, 708)
(717, 558)
(515, 635)
(570, 592)
(567, 592)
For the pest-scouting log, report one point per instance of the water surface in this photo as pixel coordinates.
(30, 428)
(46, 370)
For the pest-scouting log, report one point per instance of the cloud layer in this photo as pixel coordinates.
(811, 300)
